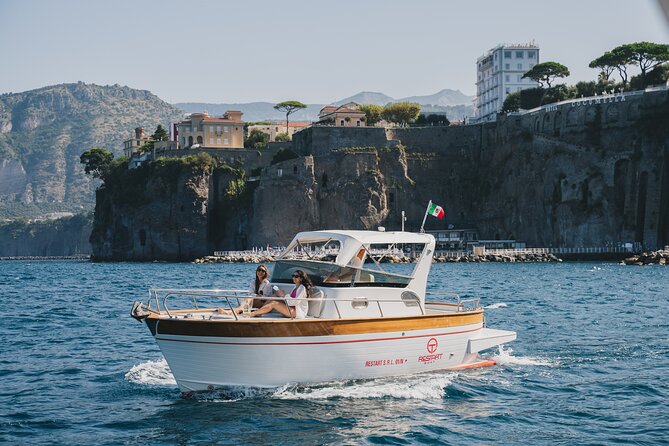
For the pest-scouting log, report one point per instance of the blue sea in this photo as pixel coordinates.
(590, 365)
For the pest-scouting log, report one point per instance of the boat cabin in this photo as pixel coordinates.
(349, 279)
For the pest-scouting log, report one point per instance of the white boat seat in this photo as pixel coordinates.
(316, 303)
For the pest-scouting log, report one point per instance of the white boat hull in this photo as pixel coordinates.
(201, 363)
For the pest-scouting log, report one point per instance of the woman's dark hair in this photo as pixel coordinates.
(305, 280)
(262, 268)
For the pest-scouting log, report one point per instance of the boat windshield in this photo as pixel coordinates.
(331, 275)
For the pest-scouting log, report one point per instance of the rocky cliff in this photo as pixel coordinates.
(43, 132)
(576, 174)
(66, 236)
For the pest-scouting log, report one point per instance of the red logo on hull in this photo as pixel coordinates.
(432, 345)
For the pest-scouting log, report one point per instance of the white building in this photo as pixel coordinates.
(499, 72)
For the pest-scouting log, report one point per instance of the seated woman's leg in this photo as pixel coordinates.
(277, 306)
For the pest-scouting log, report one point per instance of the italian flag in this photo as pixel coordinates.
(435, 210)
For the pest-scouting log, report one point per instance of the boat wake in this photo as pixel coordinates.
(505, 357)
(424, 386)
(153, 373)
(495, 306)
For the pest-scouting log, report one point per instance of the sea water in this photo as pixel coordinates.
(590, 365)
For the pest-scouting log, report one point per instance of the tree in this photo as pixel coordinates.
(160, 134)
(606, 64)
(547, 72)
(438, 120)
(257, 139)
(401, 113)
(97, 162)
(372, 113)
(647, 55)
(282, 137)
(512, 102)
(289, 107)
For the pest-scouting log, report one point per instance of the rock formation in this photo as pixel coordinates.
(579, 174)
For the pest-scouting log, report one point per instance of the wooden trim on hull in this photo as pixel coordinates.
(260, 328)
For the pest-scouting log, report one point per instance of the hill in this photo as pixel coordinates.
(43, 132)
(452, 103)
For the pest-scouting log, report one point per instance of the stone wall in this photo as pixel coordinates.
(321, 140)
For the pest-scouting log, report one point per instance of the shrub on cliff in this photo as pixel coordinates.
(511, 103)
(97, 162)
(282, 137)
(283, 155)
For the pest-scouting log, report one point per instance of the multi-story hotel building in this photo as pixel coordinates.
(207, 132)
(499, 72)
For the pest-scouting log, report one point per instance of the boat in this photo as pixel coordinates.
(363, 321)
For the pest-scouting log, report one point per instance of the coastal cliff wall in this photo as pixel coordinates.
(67, 236)
(157, 212)
(572, 175)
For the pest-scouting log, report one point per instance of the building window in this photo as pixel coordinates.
(507, 66)
(218, 141)
(520, 66)
(520, 54)
(199, 140)
(218, 128)
(211, 129)
(531, 65)
(508, 90)
(357, 123)
(341, 123)
(137, 142)
(211, 141)
(530, 54)
(507, 54)
(520, 77)
(225, 142)
(507, 78)
(226, 129)
(194, 129)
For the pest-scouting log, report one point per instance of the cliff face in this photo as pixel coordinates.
(157, 212)
(571, 175)
(43, 132)
(63, 237)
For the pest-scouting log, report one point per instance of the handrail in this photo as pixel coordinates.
(228, 295)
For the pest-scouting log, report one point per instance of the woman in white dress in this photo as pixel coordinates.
(258, 288)
(296, 305)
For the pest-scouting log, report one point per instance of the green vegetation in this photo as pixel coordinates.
(97, 162)
(257, 139)
(546, 72)
(645, 55)
(511, 102)
(372, 113)
(282, 137)
(402, 113)
(435, 120)
(283, 155)
(289, 107)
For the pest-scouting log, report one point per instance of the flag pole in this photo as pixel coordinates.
(422, 230)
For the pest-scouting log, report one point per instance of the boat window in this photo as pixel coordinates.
(331, 275)
(318, 250)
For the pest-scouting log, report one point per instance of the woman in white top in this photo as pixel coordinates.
(296, 305)
(258, 287)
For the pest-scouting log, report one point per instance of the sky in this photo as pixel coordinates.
(313, 52)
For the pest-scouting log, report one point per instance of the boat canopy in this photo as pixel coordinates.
(352, 241)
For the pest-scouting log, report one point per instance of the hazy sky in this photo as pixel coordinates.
(315, 52)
